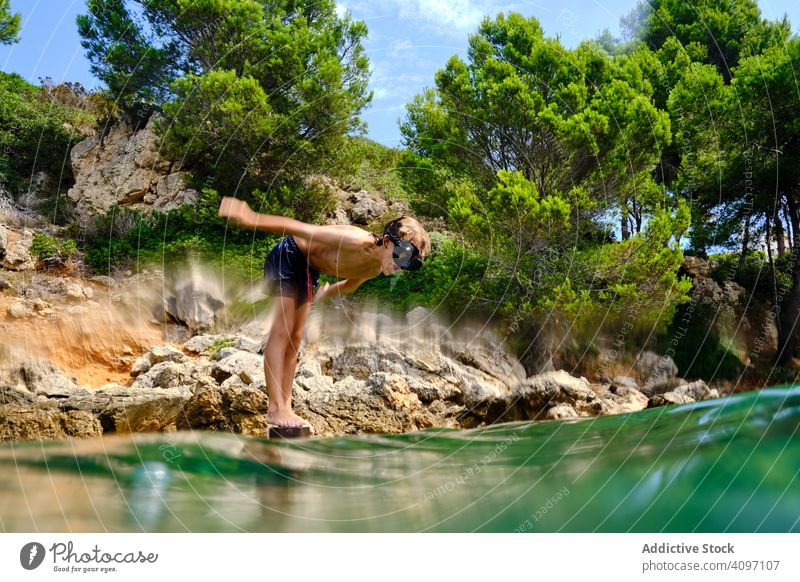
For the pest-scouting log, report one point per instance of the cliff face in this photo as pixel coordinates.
(125, 168)
(744, 323)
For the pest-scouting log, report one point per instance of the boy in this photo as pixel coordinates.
(293, 267)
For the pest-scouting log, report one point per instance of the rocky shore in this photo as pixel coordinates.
(359, 372)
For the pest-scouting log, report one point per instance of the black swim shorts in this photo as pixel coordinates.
(288, 272)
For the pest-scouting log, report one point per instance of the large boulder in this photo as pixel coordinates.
(657, 374)
(532, 399)
(125, 168)
(122, 409)
(366, 207)
(239, 409)
(382, 404)
(18, 254)
(196, 300)
(39, 378)
(248, 367)
(37, 422)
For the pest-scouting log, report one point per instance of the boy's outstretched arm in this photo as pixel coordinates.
(239, 212)
(344, 287)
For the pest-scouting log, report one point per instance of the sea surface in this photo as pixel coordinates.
(726, 465)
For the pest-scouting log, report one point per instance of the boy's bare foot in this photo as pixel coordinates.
(287, 418)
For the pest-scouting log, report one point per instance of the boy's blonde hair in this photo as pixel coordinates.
(410, 229)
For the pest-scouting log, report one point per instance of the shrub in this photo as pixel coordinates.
(53, 252)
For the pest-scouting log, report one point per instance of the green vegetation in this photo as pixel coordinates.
(217, 345)
(123, 238)
(254, 93)
(52, 250)
(37, 131)
(9, 24)
(527, 150)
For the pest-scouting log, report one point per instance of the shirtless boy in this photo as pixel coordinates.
(293, 267)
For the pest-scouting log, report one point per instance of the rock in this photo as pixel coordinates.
(16, 395)
(18, 257)
(3, 240)
(231, 409)
(104, 281)
(618, 382)
(620, 399)
(88, 292)
(171, 192)
(74, 291)
(20, 310)
(338, 217)
(653, 368)
(249, 367)
(560, 411)
(382, 405)
(168, 374)
(77, 310)
(696, 267)
(146, 411)
(123, 409)
(419, 316)
(732, 292)
(21, 423)
(155, 356)
(366, 208)
(200, 343)
(249, 344)
(661, 385)
(196, 301)
(224, 353)
(697, 390)
(43, 378)
(668, 398)
(126, 169)
(308, 368)
(533, 397)
(315, 383)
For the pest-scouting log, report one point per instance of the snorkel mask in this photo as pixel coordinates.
(405, 253)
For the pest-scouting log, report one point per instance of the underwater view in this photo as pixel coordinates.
(723, 465)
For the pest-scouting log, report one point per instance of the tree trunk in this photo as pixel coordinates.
(789, 328)
(789, 229)
(779, 233)
(745, 239)
(772, 274)
(626, 233)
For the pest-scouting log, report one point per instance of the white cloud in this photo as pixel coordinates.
(450, 15)
(380, 93)
(401, 48)
(341, 9)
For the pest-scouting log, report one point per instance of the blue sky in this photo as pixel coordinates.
(409, 40)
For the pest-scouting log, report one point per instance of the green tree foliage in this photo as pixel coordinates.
(729, 31)
(766, 92)
(254, 91)
(9, 24)
(37, 131)
(525, 103)
(528, 150)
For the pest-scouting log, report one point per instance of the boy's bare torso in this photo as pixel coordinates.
(357, 257)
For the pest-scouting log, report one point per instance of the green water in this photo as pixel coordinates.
(722, 465)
